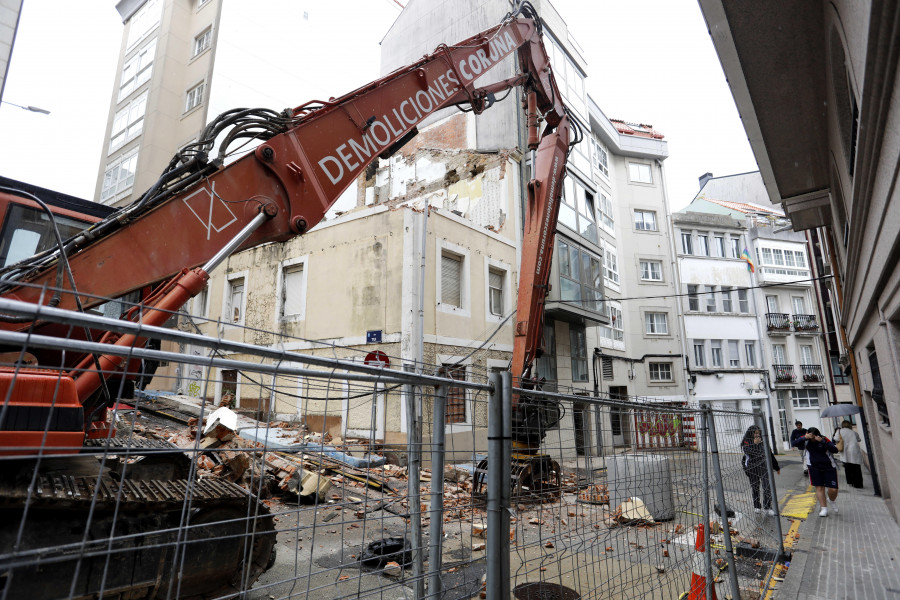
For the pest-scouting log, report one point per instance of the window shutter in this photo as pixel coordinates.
(495, 284)
(451, 267)
(292, 291)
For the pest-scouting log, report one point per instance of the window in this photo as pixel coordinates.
(715, 352)
(743, 301)
(119, 176)
(456, 396)
(693, 298)
(580, 276)
(128, 122)
(615, 330)
(734, 353)
(200, 306)
(495, 291)
(656, 323)
(234, 302)
(639, 173)
(545, 365)
(838, 370)
(202, 41)
(660, 371)
(877, 392)
(779, 356)
(610, 264)
(578, 347)
(703, 244)
(607, 366)
(726, 299)
(699, 353)
(806, 355)
(772, 304)
(451, 280)
(710, 298)
(143, 22)
(568, 75)
(601, 157)
(799, 305)
(194, 97)
(651, 270)
(577, 209)
(137, 69)
(607, 220)
(735, 247)
(293, 291)
(750, 353)
(27, 231)
(687, 245)
(719, 246)
(805, 398)
(645, 220)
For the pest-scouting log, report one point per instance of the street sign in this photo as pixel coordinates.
(378, 359)
(373, 337)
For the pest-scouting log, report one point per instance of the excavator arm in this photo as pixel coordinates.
(284, 187)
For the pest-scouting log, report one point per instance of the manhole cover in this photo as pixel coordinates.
(539, 590)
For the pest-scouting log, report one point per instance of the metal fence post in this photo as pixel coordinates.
(505, 487)
(414, 462)
(704, 466)
(498, 474)
(720, 493)
(770, 473)
(436, 526)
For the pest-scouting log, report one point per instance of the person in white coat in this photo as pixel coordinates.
(851, 455)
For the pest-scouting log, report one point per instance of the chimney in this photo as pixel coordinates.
(704, 178)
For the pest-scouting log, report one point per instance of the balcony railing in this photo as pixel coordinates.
(779, 322)
(812, 373)
(784, 373)
(805, 323)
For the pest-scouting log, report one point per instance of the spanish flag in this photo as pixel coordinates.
(746, 256)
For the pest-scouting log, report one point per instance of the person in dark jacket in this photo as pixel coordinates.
(798, 432)
(822, 468)
(754, 465)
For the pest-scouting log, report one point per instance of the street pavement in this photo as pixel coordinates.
(851, 554)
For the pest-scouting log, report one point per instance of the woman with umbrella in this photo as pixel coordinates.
(850, 455)
(822, 468)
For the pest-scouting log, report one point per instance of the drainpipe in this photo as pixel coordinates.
(598, 382)
(420, 338)
(676, 278)
(762, 354)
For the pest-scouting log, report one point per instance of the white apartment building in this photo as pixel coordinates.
(782, 349)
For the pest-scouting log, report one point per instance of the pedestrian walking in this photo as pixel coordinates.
(822, 468)
(798, 432)
(851, 455)
(754, 465)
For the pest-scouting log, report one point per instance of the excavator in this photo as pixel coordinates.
(69, 532)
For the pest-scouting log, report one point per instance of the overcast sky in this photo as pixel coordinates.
(649, 61)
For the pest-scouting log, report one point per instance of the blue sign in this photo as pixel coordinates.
(373, 337)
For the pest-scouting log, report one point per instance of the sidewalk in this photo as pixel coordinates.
(853, 554)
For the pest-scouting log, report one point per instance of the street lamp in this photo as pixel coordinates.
(31, 108)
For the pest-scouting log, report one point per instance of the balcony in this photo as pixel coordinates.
(778, 323)
(805, 324)
(812, 373)
(785, 374)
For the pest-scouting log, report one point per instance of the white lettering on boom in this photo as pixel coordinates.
(411, 110)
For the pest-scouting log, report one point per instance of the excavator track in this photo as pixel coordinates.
(145, 539)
